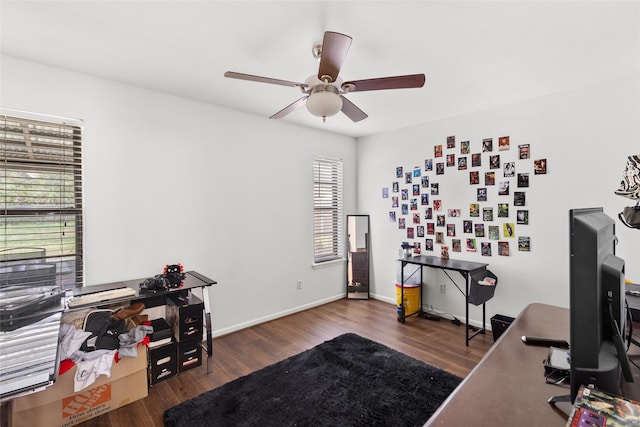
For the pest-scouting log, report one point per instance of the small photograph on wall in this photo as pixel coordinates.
(474, 178)
(456, 245)
(474, 210)
(424, 199)
(476, 160)
(444, 252)
(485, 248)
(519, 198)
(428, 244)
(416, 248)
(451, 141)
(482, 194)
(503, 143)
(437, 205)
(395, 187)
(428, 165)
(503, 188)
(410, 233)
(451, 230)
(503, 248)
(404, 194)
(417, 172)
(439, 237)
(467, 226)
(464, 147)
(494, 232)
(425, 181)
(405, 209)
(440, 168)
(523, 180)
(487, 145)
(431, 228)
(489, 178)
(508, 229)
(509, 169)
(402, 224)
(523, 151)
(479, 230)
(408, 178)
(522, 217)
(524, 243)
(462, 163)
(394, 202)
(416, 189)
(392, 216)
(416, 218)
(503, 210)
(399, 172)
(540, 166)
(454, 213)
(435, 189)
(494, 161)
(428, 213)
(385, 192)
(437, 150)
(440, 221)
(487, 214)
(420, 230)
(471, 245)
(451, 159)
(414, 204)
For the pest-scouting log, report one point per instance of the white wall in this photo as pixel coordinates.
(585, 134)
(170, 180)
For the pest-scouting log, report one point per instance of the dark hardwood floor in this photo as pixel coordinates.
(438, 343)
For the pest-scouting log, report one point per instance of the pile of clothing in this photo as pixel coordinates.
(105, 336)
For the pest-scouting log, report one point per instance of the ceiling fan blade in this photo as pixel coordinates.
(289, 108)
(395, 82)
(260, 79)
(350, 110)
(334, 50)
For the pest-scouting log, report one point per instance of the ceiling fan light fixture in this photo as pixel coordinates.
(324, 101)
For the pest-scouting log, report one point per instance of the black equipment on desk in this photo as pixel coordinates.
(172, 277)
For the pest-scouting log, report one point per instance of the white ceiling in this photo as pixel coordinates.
(475, 54)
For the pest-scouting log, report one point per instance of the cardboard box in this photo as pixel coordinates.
(163, 362)
(185, 313)
(189, 354)
(59, 406)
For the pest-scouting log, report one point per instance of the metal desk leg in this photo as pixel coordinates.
(401, 311)
(207, 323)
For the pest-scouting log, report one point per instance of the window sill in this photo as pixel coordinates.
(327, 263)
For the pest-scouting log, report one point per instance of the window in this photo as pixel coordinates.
(327, 209)
(41, 194)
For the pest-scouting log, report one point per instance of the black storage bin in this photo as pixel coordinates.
(479, 294)
(499, 324)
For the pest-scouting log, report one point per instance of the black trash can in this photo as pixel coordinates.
(499, 324)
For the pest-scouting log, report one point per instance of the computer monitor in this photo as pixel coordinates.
(597, 306)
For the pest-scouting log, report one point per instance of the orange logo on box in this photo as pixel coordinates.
(85, 400)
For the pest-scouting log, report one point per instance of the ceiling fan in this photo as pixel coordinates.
(324, 92)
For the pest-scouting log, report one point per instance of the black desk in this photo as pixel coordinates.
(192, 281)
(465, 268)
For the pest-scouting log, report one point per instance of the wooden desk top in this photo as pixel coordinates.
(507, 387)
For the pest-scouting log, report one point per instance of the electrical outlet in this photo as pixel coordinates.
(443, 288)
(299, 284)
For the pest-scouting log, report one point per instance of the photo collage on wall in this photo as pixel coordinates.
(495, 218)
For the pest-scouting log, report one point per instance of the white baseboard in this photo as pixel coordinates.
(257, 321)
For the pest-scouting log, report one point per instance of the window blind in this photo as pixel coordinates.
(327, 209)
(41, 194)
